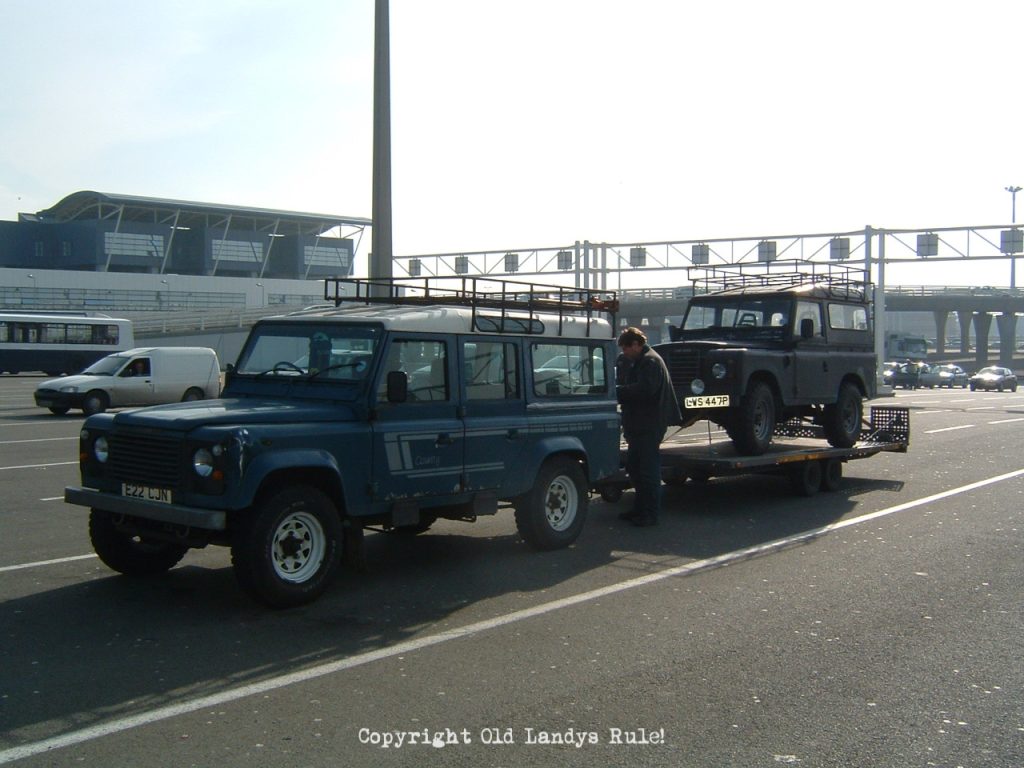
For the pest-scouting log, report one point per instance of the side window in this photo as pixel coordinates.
(850, 317)
(491, 370)
(811, 310)
(568, 370)
(426, 365)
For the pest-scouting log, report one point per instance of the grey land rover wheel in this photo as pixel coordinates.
(285, 554)
(128, 554)
(753, 423)
(550, 515)
(842, 419)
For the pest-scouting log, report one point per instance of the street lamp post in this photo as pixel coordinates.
(1013, 190)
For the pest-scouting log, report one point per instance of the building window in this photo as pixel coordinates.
(238, 250)
(327, 256)
(128, 244)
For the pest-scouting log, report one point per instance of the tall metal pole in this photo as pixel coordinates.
(382, 255)
(1013, 190)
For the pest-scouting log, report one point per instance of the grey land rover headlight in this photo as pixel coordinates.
(202, 462)
(718, 370)
(697, 386)
(101, 450)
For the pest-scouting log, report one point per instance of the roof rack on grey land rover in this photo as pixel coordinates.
(477, 293)
(838, 280)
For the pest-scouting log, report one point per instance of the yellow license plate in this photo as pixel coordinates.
(146, 492)
(707, 401)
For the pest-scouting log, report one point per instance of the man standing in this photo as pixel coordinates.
(649, 407)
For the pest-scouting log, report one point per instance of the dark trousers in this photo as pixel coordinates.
(643, 465)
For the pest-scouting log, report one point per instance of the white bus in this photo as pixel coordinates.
(57, 343)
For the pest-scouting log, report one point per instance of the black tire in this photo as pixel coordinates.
(611, 493)
(59, 411)
(805, 477)
(192, 394)
(96, 401)
(842, 419)
(751, 427)
(131, 555)
(285, 554)
(551, 514)
(832, 475)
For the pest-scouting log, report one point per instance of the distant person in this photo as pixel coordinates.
(649, 407)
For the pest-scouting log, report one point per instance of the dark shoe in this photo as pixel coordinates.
(644, 521)
(627, 516)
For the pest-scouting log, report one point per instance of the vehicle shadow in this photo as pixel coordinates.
(108, 646)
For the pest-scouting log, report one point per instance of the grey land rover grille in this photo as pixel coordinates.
(683, 365)
(146, 459)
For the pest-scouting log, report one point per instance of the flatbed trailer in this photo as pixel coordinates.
(799, 452)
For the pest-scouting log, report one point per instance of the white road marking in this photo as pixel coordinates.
(37, 440)
(58, 561)
(948, 429)
(38, 466)
(470, 630)
(1007, 421)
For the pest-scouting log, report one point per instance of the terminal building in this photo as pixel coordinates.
(97, 251)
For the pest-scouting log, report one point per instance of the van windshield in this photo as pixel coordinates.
(334, 352)
(107, 366)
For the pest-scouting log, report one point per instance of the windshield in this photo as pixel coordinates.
(107, 366)
(325, 352)
(741, 315)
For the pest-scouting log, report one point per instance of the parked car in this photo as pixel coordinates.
(944, 376)
(141, 376)
(994, 377)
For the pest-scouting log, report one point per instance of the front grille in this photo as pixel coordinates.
(147, 459)
(683, 365)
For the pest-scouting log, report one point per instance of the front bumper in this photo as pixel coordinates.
(178, 514)
(52, 399)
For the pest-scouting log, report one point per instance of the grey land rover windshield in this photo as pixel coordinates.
(328, 351)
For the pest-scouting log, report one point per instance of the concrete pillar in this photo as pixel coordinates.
(1007, 323)
(941, 315)
(982, 323)
(963, 317)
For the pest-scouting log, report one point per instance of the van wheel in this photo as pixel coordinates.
(131, 555)
(192, 394)
(286, 552)
(550, 515)
(751, 427)
(842, 419)
(59, 411)
(95, 401)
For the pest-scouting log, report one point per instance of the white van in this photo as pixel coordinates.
(141, 376)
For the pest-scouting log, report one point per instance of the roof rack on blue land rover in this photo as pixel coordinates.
(837, 280)
(476, 293)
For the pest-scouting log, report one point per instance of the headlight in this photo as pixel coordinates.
(697, 386)
(101, 450)
(718, 370)
(202, 462)
(71, 388)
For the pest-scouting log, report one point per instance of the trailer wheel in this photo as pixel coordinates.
(842, 419)
(805, 477)
(832, 475)
(550, 515)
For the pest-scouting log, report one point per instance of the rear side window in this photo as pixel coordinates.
(568, 370)
(491, 370)
(847, 317)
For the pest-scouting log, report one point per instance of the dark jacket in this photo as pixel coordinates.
(645, 392)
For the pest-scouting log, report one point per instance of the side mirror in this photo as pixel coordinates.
(397, 386)
(806, 328)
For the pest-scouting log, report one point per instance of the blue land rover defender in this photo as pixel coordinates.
(397, 404)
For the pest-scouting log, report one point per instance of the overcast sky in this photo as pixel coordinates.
(531, 123)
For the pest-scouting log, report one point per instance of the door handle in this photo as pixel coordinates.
(444, 439)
